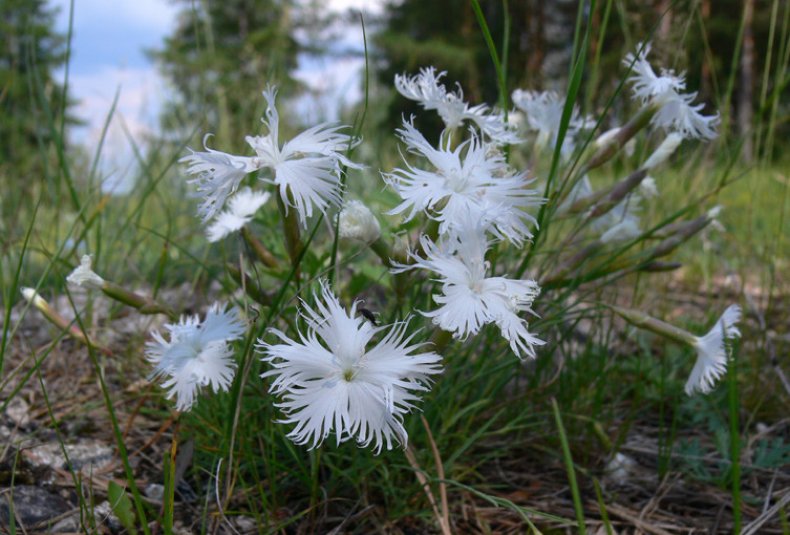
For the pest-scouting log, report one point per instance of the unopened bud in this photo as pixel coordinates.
(649, 323)
(664, 151)
(357, 222)
(606, 137)
(32, 297)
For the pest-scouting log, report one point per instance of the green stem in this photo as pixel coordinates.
(735, 443)
(293, 241)
(569, 467)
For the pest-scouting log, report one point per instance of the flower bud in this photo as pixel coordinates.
(32, 297)
(664, 151)
(357, 222)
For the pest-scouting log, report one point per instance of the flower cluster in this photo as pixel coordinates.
(343, 375)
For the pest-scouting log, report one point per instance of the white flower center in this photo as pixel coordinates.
(456, 181)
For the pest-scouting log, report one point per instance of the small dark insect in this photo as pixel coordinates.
(368, 315)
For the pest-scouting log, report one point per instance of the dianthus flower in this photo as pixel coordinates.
(472, 178)
(196, 355)
(711, 350)
(676, 112)
(544, 114)
(241, 209)
(306, 169)
(330, 382)
(471, 299)
(426, 89)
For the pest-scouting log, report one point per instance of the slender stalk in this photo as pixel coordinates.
(261, 252)
(569, 467)
(735, 442)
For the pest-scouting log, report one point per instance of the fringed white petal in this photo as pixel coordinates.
(712, 353)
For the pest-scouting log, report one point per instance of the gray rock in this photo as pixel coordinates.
(86, 456)
(31, 505)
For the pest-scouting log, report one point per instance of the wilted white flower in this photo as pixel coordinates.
(676, 112)
(711, 350)
(581, 189)
(329, 382)
(306, 169)
(648, 187)
(196, 355)
(83, 275)
(357, 222)
(241, 208)
(471, 299)
(426, 89)
(621, 222)
(713, 214)
(544, 114)
(468, 179)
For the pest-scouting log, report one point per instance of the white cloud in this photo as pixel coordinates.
(366, 6)
(141, 93)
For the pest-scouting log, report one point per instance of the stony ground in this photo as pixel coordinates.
(33, 466)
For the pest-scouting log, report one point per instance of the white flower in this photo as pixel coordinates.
(329, 382)
(451, 107)
(357, 222)
(468, 179)
(544, 114)
(711, 350)
(306, 169)
(676, 112)
(83, 275)
(196, 355)
(218, 176)
(469, 298)
(241, 208)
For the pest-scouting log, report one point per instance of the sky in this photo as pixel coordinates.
(108, 57)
